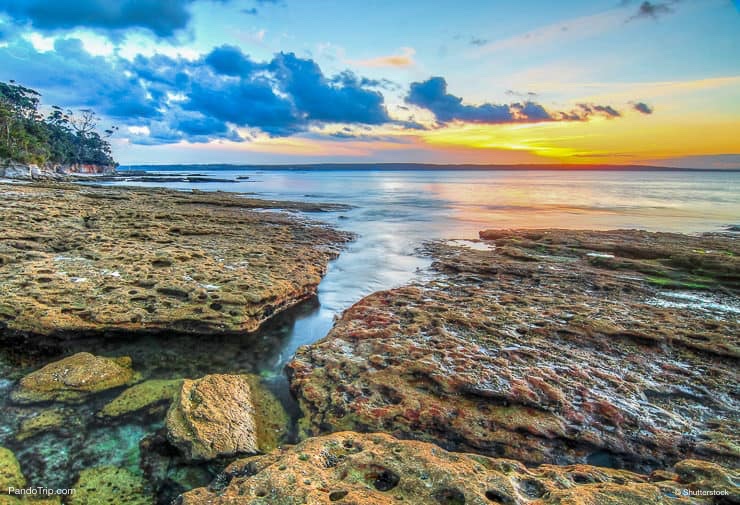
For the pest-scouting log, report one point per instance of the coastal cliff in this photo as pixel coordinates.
(32, 171)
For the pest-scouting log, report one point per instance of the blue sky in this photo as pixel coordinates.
(283, 81)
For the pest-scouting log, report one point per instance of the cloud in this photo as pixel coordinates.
(163, 18)
(477, 41)
(642, 107)
(170, 99)
(432, 95)
(229, 60)
(321, 100)
(404, 59)
(95, 81)
(652, 10)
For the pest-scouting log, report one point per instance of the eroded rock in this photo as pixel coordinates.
(219, 415)
(546, 347)
(80, 258)
(375, 469)
(73, 379)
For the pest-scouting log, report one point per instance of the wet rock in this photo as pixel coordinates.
(552, 346)
(73, 379)
(79, 259)
(46, 420)
(150, 396)
(219, 415)
(365, 469)
(10, 471)
(108, 485)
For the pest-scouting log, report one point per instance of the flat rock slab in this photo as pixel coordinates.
(76, 258)
(375, 469)
(73, 379)
(610, 348)
(222, 415)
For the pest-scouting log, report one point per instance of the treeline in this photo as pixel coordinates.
(61, 137)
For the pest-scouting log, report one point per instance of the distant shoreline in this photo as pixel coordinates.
(422, 167)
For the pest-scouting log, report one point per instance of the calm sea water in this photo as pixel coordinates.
(394, 212)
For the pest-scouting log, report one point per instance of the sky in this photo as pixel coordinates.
(324, 81)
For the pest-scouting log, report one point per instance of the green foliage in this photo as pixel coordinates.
(26, 136)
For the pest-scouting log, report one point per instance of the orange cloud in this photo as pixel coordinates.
(405, 59)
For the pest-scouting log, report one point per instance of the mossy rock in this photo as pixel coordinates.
(46, 420)
(73, 379)
(148, 395)
(108, 485)
(10, 471)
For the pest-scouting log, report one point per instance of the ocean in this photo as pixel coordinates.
(395, 211)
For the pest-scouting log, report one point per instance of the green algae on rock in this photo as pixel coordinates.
(46, 420)
(548, 346)
(145, 396)
(73, 379)
(220, 415)
(375, 469)
(108, 485)
(10, 471)
(79, 258)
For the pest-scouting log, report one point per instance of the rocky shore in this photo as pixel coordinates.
(529, 367)
(610, 348)
(76, 259)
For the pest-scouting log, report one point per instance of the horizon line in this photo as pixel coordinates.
(438, 166)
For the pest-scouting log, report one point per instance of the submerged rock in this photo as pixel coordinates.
(550, 347)
(10, 471)
(108, 485)
(377, 469)
(73, 379)
(46, 420)
(76, 259)
(219, 415)
(147, 396)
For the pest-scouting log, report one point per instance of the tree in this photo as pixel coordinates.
(62, 137)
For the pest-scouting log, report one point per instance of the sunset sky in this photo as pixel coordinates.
(289, 81)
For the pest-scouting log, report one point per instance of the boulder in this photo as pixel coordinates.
(73, 379)
(218, 416)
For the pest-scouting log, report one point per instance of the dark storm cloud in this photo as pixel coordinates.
(162, 18)
(642, 107)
